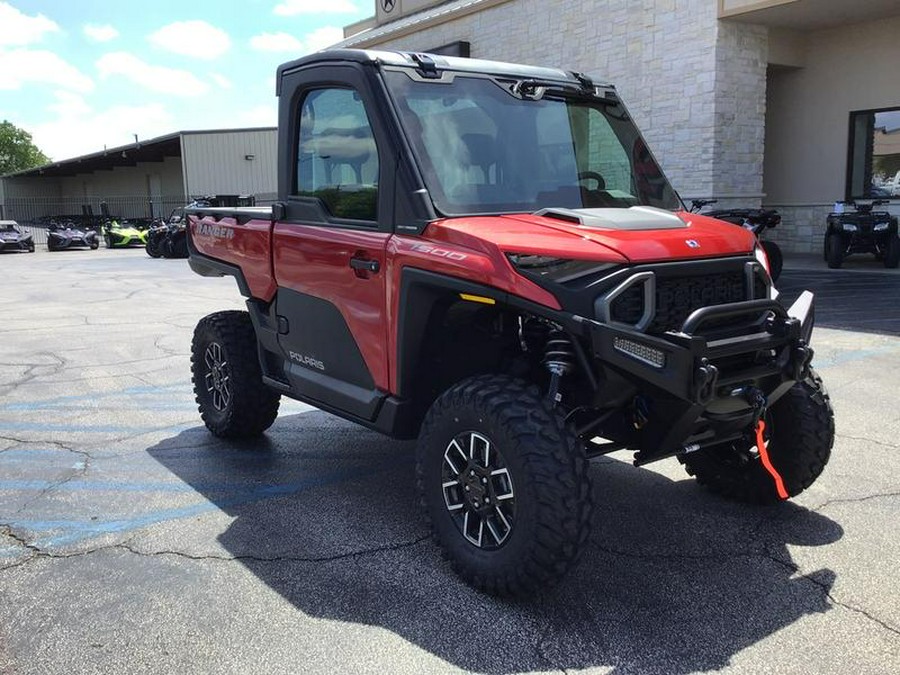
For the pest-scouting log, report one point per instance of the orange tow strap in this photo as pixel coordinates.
(766, 462)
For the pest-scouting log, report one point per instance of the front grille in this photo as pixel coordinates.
(678, 296)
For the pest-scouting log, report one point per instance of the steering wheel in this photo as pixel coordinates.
(594, 176)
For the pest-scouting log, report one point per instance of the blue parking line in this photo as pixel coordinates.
(80, 530)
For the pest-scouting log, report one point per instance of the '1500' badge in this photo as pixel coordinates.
(692, 243)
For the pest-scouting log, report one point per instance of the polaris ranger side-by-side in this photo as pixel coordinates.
(487, 257)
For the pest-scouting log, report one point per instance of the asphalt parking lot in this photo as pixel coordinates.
(133, 541)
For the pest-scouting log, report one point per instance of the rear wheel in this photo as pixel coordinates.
(228, 386)
(799, 446)
(834, 250)
(505, 485)
(892, 252)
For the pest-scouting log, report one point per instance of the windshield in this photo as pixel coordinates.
(7, 227)
(482, 149)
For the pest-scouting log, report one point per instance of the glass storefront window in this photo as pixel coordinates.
(874, 167)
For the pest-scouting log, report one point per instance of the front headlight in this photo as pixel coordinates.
(556, 269)
(849, 227)
(881, 227)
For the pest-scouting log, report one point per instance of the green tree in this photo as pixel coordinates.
(17, 151)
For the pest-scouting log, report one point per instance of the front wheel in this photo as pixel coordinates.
(505, 485)
(801, 433)
(153, 248)
(228, 386)
(834, 251)
(892, 253)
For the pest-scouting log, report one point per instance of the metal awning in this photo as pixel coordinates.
(805, 15)
(153, 150)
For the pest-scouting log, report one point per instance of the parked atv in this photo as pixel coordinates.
(66, 235)
(861, 231)
(12, 238)
(755, 220)
(123, 234)
(167, 240)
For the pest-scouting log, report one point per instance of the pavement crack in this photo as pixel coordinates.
(276, 559)
(826, 591)
(37, 553)
(892, 446)
(855, 500)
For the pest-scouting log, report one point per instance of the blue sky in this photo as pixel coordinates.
(81, 74)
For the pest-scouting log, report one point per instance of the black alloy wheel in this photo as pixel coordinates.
(478, 490)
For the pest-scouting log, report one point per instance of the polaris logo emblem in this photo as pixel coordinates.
(692, 243)
(307, 361)
(218, 231)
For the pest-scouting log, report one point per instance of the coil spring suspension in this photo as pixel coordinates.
(559, 359)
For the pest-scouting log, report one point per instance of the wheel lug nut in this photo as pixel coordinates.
(487, 500)
(484, 481)
(468, 488)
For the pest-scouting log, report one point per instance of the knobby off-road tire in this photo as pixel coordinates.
(799, 445)
(531, 485)
(892, 253)
(152, 248)
(834, 251)
(228, 386)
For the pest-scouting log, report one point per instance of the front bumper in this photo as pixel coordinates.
(701, 373)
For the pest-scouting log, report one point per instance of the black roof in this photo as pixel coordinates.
(152, 150)
(413, 60)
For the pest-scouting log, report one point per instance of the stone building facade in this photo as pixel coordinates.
(694, 73)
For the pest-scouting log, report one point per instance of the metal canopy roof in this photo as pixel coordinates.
(152, 150)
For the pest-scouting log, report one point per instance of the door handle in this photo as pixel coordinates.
(365, 265)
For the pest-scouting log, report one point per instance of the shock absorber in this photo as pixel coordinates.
(559, 359)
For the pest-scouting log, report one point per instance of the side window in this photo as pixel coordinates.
(337, 161)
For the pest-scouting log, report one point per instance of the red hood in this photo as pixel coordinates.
(636, 235)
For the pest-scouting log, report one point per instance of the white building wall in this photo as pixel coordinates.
(215, 162)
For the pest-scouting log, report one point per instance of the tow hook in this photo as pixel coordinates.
(801, 358)
(758, 400)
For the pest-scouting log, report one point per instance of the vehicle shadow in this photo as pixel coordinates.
(674, 580)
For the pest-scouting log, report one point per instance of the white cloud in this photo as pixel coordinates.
(77, 130)
(221, 80)
(69, 104)
(284, 42)
(276, 42)
(154, 78)
(259, 116)
(23, 66)
(197, 39)
(98, 33)
(294, 7)
(321, 38)
(19, 29)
